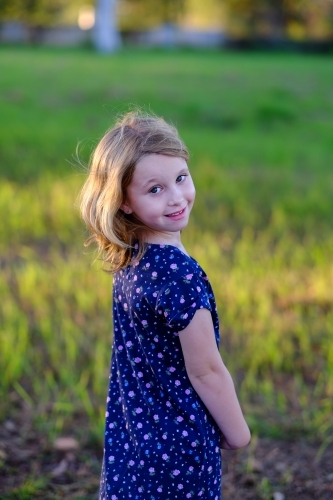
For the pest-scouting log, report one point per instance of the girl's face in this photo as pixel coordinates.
(161, 194)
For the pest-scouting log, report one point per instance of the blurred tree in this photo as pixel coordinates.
(155, 12)
(278, 18)
(32, 12)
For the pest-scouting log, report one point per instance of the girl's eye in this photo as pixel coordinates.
(180, 178)
(155, 190)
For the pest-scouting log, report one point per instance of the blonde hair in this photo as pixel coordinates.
(111, 169)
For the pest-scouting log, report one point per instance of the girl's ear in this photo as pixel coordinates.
(126, 208)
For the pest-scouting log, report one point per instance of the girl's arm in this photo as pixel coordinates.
(212, 381)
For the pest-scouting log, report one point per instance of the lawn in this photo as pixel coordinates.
(259, 130)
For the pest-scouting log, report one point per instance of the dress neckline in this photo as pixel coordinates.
(162, 245)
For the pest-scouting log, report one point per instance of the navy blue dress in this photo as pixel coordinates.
(161, 443)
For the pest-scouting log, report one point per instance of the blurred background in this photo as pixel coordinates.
(248, 83)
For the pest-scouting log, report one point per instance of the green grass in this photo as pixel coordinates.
(259, 129)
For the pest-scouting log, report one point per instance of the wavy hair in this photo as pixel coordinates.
(111, 169)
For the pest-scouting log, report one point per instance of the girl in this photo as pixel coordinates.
(171, 403)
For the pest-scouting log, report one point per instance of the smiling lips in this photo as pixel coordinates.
(177, 215)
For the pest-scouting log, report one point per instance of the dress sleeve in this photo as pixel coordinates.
(178, 301)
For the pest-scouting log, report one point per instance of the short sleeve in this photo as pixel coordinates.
(178, 301)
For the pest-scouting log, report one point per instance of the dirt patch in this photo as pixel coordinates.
(34, 468)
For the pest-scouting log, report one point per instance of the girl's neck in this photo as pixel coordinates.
(172, 239)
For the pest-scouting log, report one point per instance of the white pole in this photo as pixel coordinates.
(106, 34)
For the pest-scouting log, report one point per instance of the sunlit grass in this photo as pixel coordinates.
(259, 130)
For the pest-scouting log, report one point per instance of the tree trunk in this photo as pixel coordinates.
(106, 34)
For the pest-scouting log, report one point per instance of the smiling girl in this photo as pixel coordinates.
(171, 403)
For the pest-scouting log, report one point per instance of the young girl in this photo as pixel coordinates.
(171, 403)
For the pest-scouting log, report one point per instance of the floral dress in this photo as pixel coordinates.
(161, 443)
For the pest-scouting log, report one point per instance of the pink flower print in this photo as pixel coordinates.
(175, 472)
(115, 478)
(142, 462)
(177, 382)
(210, 468)
(154, 274)
(164, 436)
(140, 490)
(191, 468)
(193, 444)
(179, 419)
(182, 300)
(138, 410)
(138, 290)
(126, 446)
(159, 490)
(156, 417)
(185, 433)
(187, 391)
(160, 355)
(111, 426)
(137, 360)
(125, 305)
(148, 385)
(140, 374)
(129, 344)
(144, 322)
(148, 265)
(165, 456)
(131, 324)
(172, 369)
(111, 458)
(155, 339)
(168, 403)
(188, 495)
(114, 497)
(106, 413)
(151, 470)
(185, 316)
(173, 266)
(200, 493)
(192, 417)
(194, 304)
(131, 463)
(155, 295)
(119, 297)
(134, 477)
(139, 425)
(131, 394)
(198, 289)
(189, 276)
(146, 437)
(120, 348)
(180, 486)
(135, 278)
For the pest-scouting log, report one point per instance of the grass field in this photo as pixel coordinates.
(259, 129)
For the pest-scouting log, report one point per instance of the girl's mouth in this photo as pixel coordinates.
(177, 215)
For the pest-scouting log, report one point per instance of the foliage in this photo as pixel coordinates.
(280, 19)
(259, 131)
(32, 12)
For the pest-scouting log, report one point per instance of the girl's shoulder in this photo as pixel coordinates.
(160, 266)
(170, 260)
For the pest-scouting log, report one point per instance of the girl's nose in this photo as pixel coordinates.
(176, 196)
